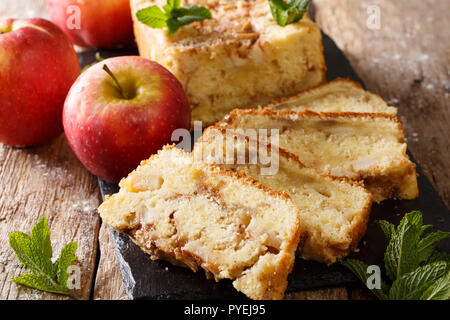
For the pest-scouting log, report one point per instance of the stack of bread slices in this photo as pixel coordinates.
(241, 207)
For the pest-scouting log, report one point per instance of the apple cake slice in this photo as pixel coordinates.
(334, 211)
(360, 146)
(202, 216)
(340, 95)
(239, 58)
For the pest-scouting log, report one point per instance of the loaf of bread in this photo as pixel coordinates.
(359, 146)
(334, 211)
(202, 216)
(239, 58)
(340, 95)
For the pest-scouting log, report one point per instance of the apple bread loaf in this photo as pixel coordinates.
(334, 211)
(360, 146)
(202, 216)
(239, 58)
(340, 95)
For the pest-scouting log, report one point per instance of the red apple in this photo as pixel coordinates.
(37, 67)
(94, 23)
(114, 123)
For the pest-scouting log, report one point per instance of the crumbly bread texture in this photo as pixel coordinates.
(238, 59)
(360, 146)
(202, 216)
(340, 95)
(334, 211)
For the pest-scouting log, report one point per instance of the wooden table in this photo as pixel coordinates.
(406, 60)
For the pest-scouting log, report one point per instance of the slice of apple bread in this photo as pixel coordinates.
(334, 211)
(340, 95)
(239, 58)
(202, 216)
(360, 146)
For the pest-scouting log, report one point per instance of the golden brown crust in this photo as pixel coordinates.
(308, 113)
(321, 85)
(242, 177)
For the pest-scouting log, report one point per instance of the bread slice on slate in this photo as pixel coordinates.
(340, 95)
(359, 146)
(202, 216)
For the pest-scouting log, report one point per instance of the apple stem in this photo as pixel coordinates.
(109, 72)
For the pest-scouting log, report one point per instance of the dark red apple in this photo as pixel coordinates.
(113, 121)
(94, 23)
(38, 65)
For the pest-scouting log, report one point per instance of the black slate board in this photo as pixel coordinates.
(147, 279)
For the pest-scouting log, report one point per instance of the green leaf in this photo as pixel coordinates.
(438, 256)
(416, 268)
(26, 252)
(387, 227)
(153, 17)
(285, 13)
(40, 282)
(440, 290)
(359, 268)
(183, 16)
(40, 238)
(172, 4)
(401, 253)
(64, 261)
(173, 17)
(35, 253)
(427, 244)
(411, 286)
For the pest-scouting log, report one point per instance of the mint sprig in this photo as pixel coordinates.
(285, 13)
(173, 17)
(35, 253)
(417, 271)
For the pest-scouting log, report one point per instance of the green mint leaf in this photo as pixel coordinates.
(65, 260)
(183, 16)
(401, 253)
(359, 268)
(153, 17)
(40, 238)
(35, 253)
(427, 244)
(387, 227)
(40, 282)
(436, 256)
(412, 285)
(26, 252)
(440, 290)
(172, 4)
(285, 13)
(173, 17)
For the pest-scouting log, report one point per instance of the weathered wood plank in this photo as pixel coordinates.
(407, 62)
(47, 180)
(108, 283)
